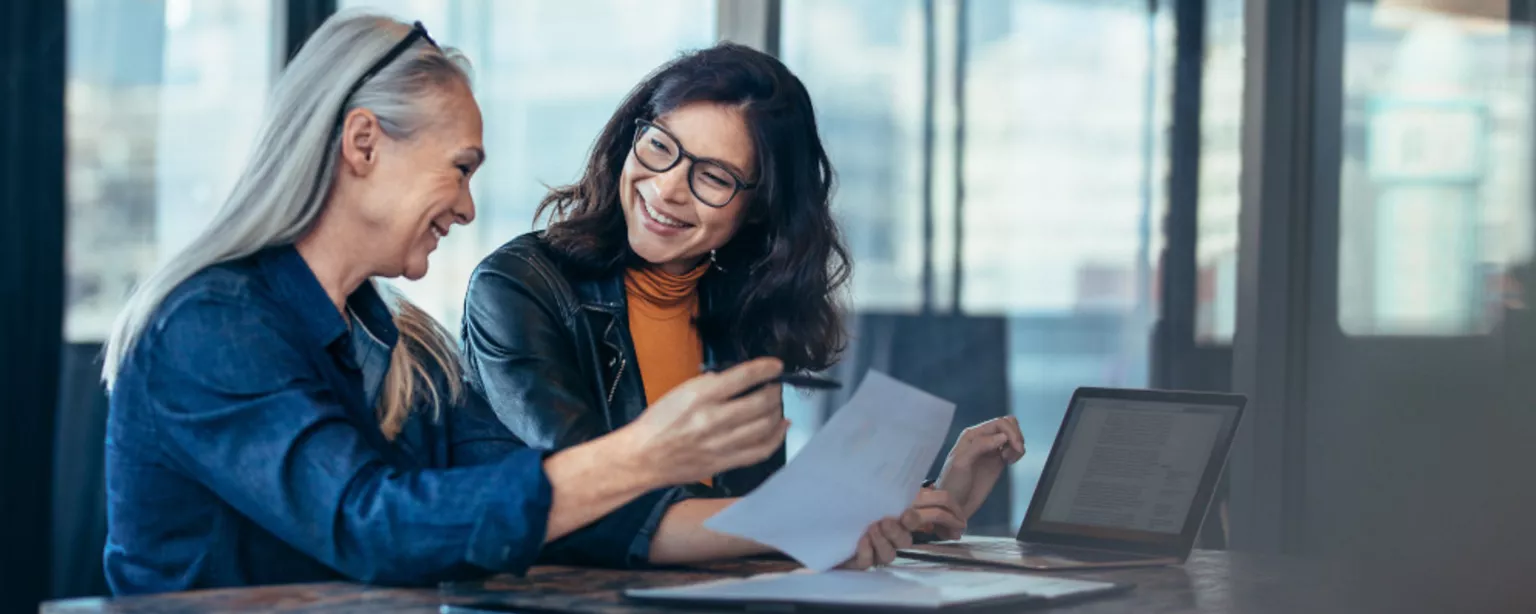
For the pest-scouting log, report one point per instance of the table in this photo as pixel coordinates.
(1210, 582)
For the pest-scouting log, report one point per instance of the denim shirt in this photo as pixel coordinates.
(243, 448)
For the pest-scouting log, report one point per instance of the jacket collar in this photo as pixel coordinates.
(603, 293)
(295, 284)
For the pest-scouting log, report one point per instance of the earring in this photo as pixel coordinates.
(715, 262)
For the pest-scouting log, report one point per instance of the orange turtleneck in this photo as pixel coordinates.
(661, 311)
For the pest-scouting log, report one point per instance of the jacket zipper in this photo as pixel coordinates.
(614, 389)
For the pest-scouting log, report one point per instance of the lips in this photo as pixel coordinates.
(653, 213)
(662, 218)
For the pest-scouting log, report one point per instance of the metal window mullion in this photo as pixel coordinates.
(300, 19)
(754, 23)
(1282, 92)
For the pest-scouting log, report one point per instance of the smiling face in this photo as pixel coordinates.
(412, 191)
(668, 225)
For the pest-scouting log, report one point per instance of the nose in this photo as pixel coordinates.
(673, 184)
(464, 210)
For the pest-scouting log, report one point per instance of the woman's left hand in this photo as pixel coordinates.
(880, 543)
(978, 459)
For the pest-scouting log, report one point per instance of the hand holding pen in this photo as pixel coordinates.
(805, 381)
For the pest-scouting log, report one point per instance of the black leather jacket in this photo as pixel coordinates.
(551, 350)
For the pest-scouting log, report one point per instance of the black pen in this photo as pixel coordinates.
(808, 381)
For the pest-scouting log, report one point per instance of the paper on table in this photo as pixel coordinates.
(892, 587)
(866, 463)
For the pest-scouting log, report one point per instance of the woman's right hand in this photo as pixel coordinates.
(706, 425)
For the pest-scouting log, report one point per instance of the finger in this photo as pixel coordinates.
(942, 519)
(894, 531)
(864, 556)
(1010, 426)
(912, 520)
(754, 451)
(746, 433)
(765, 401)
(984, 428)
(731, 382)
(939, 499)
(991, 443)
(884, 550)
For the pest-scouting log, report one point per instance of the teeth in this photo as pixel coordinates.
(438, 233)
(661, 218)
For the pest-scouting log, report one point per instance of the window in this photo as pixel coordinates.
(1221, 162)
(1062, 134)
(164, 99)
(1436, 184)
(547, 76)
(862, 61)
(1066, 120)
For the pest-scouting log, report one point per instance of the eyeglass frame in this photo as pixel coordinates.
(418, 32)
(642, 124)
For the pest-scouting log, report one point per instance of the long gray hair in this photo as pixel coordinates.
(284, 186)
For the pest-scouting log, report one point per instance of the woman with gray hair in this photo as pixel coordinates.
(275, 417)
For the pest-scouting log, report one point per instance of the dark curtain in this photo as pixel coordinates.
(963, 359)
(32, 280)
(79, 493)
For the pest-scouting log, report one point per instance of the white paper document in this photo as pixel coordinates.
(866, 463)
(893, 588)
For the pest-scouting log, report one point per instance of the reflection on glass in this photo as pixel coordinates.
(862, 61)
(1435, 186)
(1221, 163)
(1066, 109)
(163, 101)
(547, 76)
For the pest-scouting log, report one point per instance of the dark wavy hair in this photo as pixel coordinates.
(783, 270)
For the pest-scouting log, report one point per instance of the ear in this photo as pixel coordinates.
(360, 136)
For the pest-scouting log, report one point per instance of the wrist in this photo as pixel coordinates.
(627, 448)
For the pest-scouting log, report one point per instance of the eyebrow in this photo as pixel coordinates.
(475, 155)
(740, 174)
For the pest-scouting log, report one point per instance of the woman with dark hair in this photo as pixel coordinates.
(700, 233)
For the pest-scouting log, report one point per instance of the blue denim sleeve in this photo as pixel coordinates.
(475, 435)
(251, 421)
(622, 539)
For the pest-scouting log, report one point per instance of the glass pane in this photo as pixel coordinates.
(1064, 121)
(1067, 108)
(862, 61)
(547, 76)
(163, 101)
(1221, 163)
(1435, 184)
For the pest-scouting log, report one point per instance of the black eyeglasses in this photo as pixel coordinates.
(418, 32)
(710, 181)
